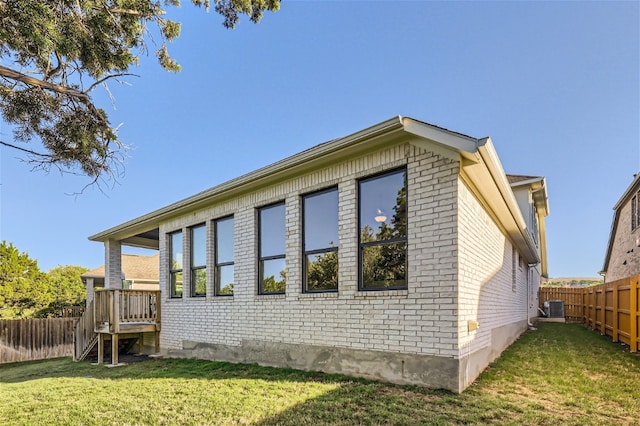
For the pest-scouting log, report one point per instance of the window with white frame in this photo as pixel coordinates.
(320, 241)
(271, 247)
(224, 255)
(175, 266)
(383, 231)
(198, 261)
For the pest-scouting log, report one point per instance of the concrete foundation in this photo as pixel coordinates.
(424, 370)
(472, 364)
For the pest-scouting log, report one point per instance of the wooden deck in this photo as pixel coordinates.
(116, 313)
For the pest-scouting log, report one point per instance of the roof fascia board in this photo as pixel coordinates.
(489, 177)
(612, 234)
(542, 229)
(628, 193)
(451, 141)
(494, 166)
(289, 166)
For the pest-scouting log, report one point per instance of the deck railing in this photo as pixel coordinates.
(83, 333)
(115, 309)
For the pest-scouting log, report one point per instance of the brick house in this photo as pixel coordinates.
(401, 252)
(622, 258)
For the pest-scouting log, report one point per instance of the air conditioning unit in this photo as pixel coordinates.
(554, 308)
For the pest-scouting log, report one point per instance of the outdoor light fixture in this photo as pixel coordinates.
(380, 217)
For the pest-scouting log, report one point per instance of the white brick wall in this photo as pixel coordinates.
(486, 291)
(420, 320)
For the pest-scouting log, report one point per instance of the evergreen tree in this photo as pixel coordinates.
(55, 53)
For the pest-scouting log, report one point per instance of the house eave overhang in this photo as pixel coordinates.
(477, 157)
(488, 176)
(369, 138)
(612, 234)
(632, 189)
(538, 188)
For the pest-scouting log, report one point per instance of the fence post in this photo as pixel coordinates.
(633, 314)
(603, 309)
(614, 333)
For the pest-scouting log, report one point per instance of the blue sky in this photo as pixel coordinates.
(555, 85)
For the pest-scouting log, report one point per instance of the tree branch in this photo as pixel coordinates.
(28, 151)
(102, 80)
(18, 76)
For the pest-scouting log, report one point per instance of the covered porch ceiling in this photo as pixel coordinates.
(148, 239)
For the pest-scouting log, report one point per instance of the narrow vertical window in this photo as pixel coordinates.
(199, 261)
(634, 212)
(175, 267)
(272, 272)
(224, 248)
(637, 215)
(383, 231)
(320, 229)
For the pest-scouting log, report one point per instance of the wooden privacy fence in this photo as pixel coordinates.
(573, 301)
(611, 308)
(32, 339)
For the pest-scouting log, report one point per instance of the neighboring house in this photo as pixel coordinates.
(401, 252)
(623, 251)
(138, 273)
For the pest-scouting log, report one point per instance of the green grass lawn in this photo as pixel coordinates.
(560, 374)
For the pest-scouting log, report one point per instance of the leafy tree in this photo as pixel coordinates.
(23, 287)
(62, 50)
(65, 288)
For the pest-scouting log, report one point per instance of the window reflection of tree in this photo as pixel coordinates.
(270, 285)
(226, 290)
(322, 273)
(384, 251)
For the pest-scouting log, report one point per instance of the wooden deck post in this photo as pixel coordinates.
(100, 348)
(114, 349)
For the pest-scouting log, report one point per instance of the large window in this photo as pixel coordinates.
(271, 232)
(199, 261)
(383, 231)
(175, 268)
(320, 229)
(224, 257)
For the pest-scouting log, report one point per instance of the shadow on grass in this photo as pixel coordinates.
(562, 374)
(156, 368)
